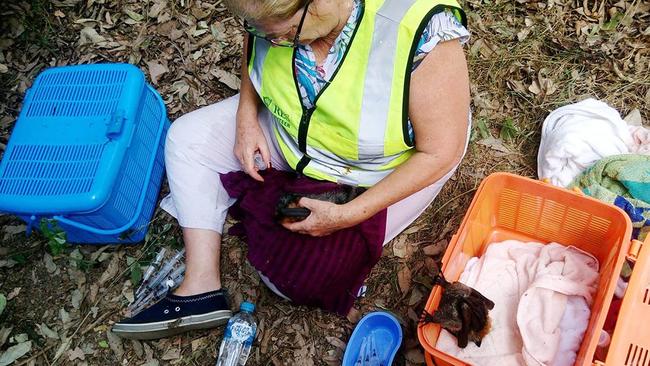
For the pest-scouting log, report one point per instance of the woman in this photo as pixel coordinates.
(371, 93)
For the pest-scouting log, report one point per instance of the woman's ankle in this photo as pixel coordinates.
(188, 288)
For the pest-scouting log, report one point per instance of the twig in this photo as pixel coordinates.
(67, 344)
(417, 244)
(36, 356)
(270, 359)
(94, 324)
(453, 199)
(25, 251)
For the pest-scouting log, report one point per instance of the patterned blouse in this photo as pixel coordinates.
(312, 77)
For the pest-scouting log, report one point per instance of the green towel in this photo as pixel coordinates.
(624, 181)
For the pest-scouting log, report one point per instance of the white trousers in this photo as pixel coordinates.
(199, 147)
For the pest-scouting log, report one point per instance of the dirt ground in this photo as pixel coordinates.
(526, 58)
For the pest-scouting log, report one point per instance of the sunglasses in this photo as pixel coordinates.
(280, 41)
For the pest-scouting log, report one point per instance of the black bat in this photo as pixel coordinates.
(288, 210)
(462, 311)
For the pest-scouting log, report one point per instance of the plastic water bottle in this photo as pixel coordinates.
(238, 338)
(259, 161)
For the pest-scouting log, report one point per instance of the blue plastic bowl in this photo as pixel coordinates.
(387, 333)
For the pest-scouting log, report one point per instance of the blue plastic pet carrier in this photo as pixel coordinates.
(87, 151)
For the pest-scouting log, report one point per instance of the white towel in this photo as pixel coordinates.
(541, 294)
(575, 136)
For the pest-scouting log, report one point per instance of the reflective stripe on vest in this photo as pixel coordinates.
(357, 133)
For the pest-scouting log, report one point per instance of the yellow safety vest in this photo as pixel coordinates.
(357, 131)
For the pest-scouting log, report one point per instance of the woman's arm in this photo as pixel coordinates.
(438, 109)
(250, 138)
(249, 101)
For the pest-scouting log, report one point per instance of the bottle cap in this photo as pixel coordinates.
(604, 339)
(247, 306)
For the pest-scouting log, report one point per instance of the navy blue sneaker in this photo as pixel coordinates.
(176, 314)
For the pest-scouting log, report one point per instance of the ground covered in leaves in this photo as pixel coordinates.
(526, 58)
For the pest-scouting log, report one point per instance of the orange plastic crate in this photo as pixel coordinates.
(631, 339)
(630, 344)
(508, 206)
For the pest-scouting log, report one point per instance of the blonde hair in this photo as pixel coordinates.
(258, 10)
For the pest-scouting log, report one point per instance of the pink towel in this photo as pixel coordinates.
(542, 295)
(641, 140)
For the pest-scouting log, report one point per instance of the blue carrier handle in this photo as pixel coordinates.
(116, 124)
(143, 195)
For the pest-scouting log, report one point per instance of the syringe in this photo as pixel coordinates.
(152, 267)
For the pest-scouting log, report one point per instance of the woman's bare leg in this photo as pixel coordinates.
(202, 253)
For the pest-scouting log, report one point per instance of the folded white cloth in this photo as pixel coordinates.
(575, 136)
(542, 295)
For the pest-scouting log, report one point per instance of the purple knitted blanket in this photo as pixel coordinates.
(324, 272)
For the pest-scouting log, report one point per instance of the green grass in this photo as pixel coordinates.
(56, 238)
(508, 130)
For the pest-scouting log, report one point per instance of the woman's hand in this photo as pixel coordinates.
(249, 137)
(325, 218)
(250, 140)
